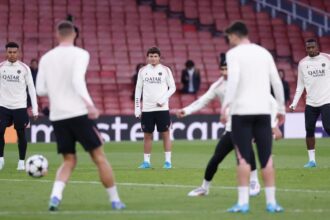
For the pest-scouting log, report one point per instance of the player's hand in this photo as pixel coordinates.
(292, 108)
(180, 113)
(281, 119)
(93, 112)
(137, 113)
(277, 134)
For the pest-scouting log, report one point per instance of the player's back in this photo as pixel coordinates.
(62, 68)
(255, 64)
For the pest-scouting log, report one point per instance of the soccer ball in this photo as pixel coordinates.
(36, 166)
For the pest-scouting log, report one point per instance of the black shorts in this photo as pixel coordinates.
(246, 127)
(81, 129)
(311, 116)
(161, 119)
(18, 117)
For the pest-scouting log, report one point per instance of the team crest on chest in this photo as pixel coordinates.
(323, 64)
(160, 73)
(18, 71)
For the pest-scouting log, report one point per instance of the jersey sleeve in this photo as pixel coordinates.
(138, 93)
(277, 86)
(201, 102)
(233, 80)
(32, 91)
(41, 85)
(171, 87)
(300, 87)
(78, 77)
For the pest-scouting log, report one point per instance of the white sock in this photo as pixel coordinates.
(21, 162)
(270, 195)
(206, 184)
(311, 155)
(243, 195)
(254, 176)
(58, 188)
(168, 155)
(2, 159)
(113, 194)
(146, 157)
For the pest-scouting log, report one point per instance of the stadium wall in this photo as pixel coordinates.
(194, 127)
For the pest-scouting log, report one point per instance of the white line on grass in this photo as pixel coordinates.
(144, 212)
(160, 185)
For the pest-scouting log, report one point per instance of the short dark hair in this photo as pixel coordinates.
(190, 64)
(12, 45)
(237, 27)
(34, 60)
(153, 50)
(65, 28)
(311, 40)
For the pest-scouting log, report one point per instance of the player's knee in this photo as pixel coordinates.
(243, 161)
(20, 133)
(310, 133)
(266, 162)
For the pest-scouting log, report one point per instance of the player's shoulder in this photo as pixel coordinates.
(325, 55)
(80, 50)
(303, 60)
(25, 67)
(144, 68)
(165, 67)
(3, 63)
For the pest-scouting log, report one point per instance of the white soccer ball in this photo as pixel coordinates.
(36, 166)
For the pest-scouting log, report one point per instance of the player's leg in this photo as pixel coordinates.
(22, 146)
(263, 135)
(65, 146)
(254, 180)
(167, 149)
(6, 120)
(148, 126)
(21, 120)
(242, 139)
(223, 148)
(163, 123)
(106, 176)
(311, 115)
(325, 112)
(86, 133)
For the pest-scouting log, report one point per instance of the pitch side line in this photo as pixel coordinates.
(160, 185)
(143, 212)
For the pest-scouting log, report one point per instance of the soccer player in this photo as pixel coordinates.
(156, 83)
(15, 76)
(225, 145)
(251, 70)
(314, 76)
(61, 77)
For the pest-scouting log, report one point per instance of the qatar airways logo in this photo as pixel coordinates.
(316, 73)
(10, 78)
(153, 80)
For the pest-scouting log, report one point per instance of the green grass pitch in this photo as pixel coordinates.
(162, 194)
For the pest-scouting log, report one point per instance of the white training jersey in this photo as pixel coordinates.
(314, 76)
(251, 71)
(218, 89)
(156, 83)
(15, 78)
(61, 77)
